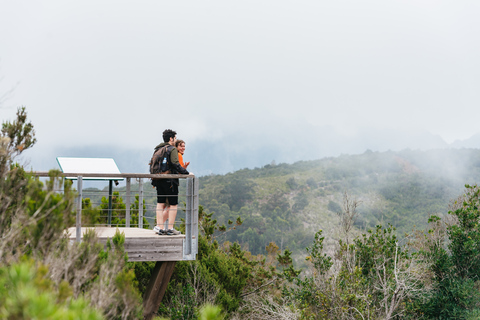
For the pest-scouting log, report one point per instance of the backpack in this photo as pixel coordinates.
(160, 162)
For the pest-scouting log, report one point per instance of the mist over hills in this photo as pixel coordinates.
(472, 142)
(251, 149)
(288, 203)
(283, 190)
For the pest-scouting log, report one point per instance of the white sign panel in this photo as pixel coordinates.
(88, 165)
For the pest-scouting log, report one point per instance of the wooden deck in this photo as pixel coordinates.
(142, 244)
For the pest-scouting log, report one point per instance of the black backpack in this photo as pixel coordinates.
(160, 162)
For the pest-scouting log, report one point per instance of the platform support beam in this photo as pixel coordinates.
(156, 288)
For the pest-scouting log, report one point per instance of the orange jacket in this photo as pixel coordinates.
(180, 159)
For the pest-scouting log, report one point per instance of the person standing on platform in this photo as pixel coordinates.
(180, 145)
(167, 189)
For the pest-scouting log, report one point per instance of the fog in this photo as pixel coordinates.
(243, 83)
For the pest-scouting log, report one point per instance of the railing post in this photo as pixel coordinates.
(140, 203)
(195, 214)
(127, 204)
(188, 217)
(110, 193)
(78, 225)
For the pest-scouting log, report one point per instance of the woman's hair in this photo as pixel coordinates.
(179, 142)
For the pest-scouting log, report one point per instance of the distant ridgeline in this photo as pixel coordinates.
(288, 203)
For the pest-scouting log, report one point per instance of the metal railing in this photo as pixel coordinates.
(190, 196)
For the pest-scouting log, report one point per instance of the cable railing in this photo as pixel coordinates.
(134, 204)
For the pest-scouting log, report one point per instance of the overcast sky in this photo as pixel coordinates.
(120, 72)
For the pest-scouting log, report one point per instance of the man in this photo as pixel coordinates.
(167, 189)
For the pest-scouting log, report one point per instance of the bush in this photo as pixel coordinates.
(26, 292)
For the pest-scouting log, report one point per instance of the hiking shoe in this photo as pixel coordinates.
(173, 232)
(158, 231)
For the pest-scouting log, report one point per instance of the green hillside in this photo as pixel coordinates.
(288, 203)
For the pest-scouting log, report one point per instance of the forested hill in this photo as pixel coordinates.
(288, 203)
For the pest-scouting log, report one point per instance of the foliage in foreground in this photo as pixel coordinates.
(432, 275)
(33, 217)
(377, 275)
(452, 249)
(26, 292)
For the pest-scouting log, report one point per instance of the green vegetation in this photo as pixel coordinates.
(42, 274)
(354, 264)
(27, 293)
(288, 203)
(455, 266)
(222, 275)
(371, 275)
(99, 215)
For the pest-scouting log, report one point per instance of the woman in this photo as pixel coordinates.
(180, 145)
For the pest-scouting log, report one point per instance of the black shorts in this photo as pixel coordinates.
(167, 192)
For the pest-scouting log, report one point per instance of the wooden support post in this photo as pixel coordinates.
(156, 287)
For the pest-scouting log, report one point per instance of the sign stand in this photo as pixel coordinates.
(92, 165)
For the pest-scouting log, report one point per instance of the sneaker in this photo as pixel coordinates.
(158, 231)
(173, 232)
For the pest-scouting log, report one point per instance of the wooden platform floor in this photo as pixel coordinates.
(141, 244)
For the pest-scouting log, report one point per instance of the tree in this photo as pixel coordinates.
(452, 249)
(118, 210)
(370, 277)
(135, 213)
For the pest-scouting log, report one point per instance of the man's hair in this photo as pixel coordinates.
(167, 134)
(179, 142)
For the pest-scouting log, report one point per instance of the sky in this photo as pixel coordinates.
(117, 73)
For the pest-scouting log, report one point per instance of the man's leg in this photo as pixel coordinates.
(162, 209)
(161, 218)
(172, 214)
(165, 217)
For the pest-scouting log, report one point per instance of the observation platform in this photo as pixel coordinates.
(141, 244)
